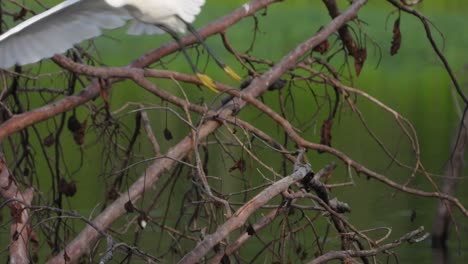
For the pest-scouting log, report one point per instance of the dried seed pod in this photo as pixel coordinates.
(167, 134)
(239, 165)
(396, 39)
(77, 129)
(67, 188)
(359, 58)
(326, 134)
(49, 140)
(129, 207)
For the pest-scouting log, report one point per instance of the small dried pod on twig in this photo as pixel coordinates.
(77, 129)
(239, 165)
(67, 188)
(359, 58)
(323, 47)
(326, 134)
(396, 39)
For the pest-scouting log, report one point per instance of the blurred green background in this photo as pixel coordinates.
(413, 82)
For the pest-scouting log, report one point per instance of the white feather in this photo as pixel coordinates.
(59, 28)
(139, 28)
(189, 9)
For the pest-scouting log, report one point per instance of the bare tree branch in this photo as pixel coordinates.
(454, 166)
(411, 237)
(81, 243)
(20, 230)
(222, 162)
(240, 216)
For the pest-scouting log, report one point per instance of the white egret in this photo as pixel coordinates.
(72, 21)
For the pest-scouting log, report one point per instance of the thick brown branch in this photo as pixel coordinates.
(453, 172)
(20, 231)
(344, 32)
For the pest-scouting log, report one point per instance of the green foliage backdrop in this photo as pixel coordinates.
(413, 82)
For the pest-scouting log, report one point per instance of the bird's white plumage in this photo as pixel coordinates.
(139, 28)
(59, 28)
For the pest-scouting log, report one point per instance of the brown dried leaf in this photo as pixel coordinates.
(326, 135)
(129, 207)
(77, 129)
(104, 92)
(79, 135)
(49, 140)
(359, 58)
(167, 134)
(323, 47)
(239, 165)
(67, 188)
(73, 124)
(396, 39)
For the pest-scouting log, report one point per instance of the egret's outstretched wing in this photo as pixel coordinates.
(189, 9)
(139, 28)
(58, 29)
